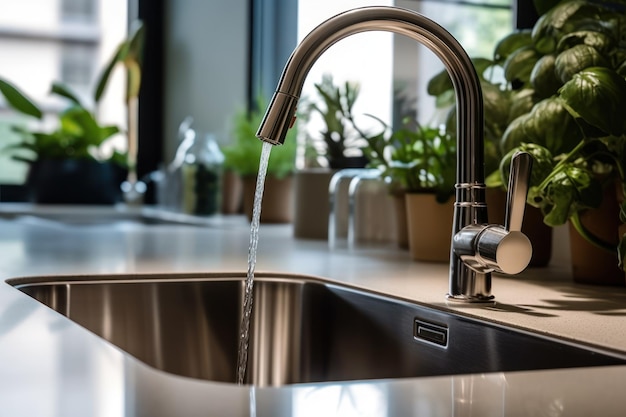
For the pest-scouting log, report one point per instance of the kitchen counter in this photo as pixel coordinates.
(50, 366)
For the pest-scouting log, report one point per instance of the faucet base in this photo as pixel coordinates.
(478, 299)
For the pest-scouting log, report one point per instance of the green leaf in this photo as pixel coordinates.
(511, 43)
(566, 17)
(136, 43)
(598, 40)
(551, 125)
(64, 91)
(543, 77)
(106, 73)
(522, 102)
(598, 96)
(481, 65)
(439, 84)
(519, 65)
(543, 164)
(81, 132)
(79, 122)
(128, 53)
(576, 59)
(496, 103)
(515, 135)
(494, 180)
(133, 80)
(18, 100)
(570, 190)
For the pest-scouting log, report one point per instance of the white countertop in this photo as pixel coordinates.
(52, 367)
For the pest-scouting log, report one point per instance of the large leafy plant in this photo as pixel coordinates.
(571, 66)
(415, 158)
(78, 134)
(562, 98)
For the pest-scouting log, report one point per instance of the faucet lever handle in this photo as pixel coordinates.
(519, 179)
(505, 249)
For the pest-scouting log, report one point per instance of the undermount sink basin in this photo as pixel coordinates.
(303, 329)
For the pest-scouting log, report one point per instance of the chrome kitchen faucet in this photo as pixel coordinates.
(477, 248)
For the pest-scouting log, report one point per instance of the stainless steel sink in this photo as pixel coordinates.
(303, 330)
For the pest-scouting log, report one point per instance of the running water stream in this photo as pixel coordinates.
(244, 330)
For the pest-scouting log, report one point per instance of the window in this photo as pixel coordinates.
(77, 64)
(79, 10)
(381, 62)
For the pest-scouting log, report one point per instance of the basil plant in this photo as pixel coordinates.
(572, 67)
(561, 97)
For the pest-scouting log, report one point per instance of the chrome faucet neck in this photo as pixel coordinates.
(466, 283)
(459, 66)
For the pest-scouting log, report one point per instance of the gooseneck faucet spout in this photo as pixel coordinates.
(478, 250)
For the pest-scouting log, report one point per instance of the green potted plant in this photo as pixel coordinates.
(243, 155)
(336, 146)
(67, 165)
(340, 143)
(573, 63)
(419, 164)
(129, 55)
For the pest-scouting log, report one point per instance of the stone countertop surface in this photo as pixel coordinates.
(51, 367)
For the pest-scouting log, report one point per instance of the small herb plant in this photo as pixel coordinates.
(415, 158)
(243, 154)
(339, 140)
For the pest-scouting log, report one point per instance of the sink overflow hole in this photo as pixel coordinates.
(430, 333)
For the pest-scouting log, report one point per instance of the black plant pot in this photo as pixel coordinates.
(348, 162)
(75, 181)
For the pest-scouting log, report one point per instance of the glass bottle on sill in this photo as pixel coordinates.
(202, 171)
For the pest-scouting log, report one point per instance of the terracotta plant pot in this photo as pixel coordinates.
(591, 264)
(400, 216)
(429, 227)
(277, 204)
(231, 192)
(311, 206)
(539, 233)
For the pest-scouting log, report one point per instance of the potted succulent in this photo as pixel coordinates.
(243, 155)
(67, 165)
(573, 64)
(419, 163)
